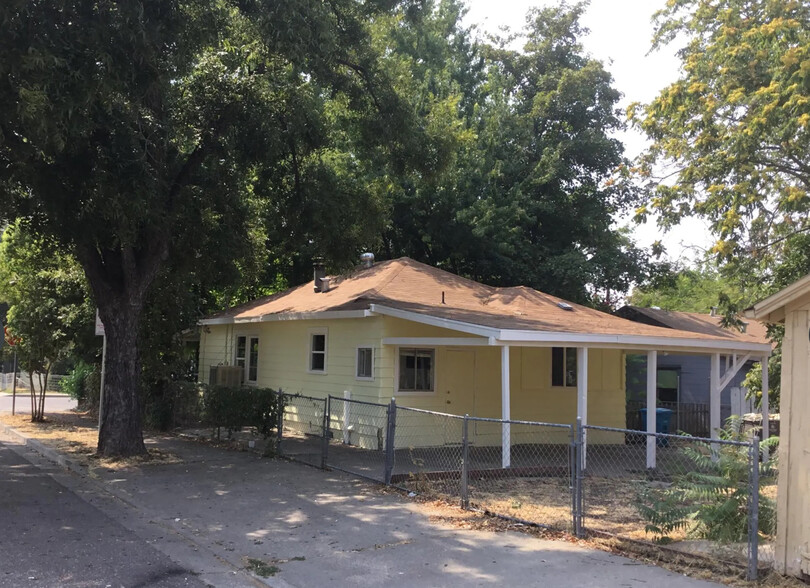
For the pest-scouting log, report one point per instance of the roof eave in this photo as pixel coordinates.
(776, 302)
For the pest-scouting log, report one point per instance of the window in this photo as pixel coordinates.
(416, 370)
(317, 351)
(247, 357)
(564, 366)
(365, 363)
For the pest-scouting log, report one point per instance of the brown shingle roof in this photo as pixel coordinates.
(694, 322)
(408, 285)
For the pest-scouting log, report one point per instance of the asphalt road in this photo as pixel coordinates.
(53, 402)
(51, 537)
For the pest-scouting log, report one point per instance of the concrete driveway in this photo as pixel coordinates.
(328, 529)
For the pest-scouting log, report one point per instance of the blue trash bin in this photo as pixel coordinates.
(663, 416)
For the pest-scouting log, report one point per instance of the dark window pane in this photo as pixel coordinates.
(571, 366)
(254, 360)
(557, 366)
(318, 362)
(364, 355)
(241, 343)
(318, 342)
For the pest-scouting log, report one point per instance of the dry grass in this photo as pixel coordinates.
(75, 434)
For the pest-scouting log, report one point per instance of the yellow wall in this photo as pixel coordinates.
(467, 378)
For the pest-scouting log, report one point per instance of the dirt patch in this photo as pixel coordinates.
(75, 434)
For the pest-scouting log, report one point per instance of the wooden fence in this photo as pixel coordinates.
(692, 419)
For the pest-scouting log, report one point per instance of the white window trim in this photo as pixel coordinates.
(318, 331)
(565, 385)
(248, 337)
(357, 363)
(435, 373)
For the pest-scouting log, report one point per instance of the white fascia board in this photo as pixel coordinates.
(216, 321)
(288, 316)
(435, 321)
(436, 341)
(547, 338)
(308, 316)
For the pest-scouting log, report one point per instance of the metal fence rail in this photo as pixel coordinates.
(628, 483)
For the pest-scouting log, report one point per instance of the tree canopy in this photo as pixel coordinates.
(129, 129)
(48, 310)
(535, 184)
(733, 132)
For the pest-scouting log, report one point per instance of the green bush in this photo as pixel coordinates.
(711, 500)
(234, 408)
(82, 383)
(172, 403)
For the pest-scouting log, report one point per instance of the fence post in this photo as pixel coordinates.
(465, 463)
(389, 441)
(325, 431)
(347, 396)
(753, 510)
(280, 423)
(579, 443)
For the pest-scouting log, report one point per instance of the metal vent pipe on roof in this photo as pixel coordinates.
(318, 273)
(367, 259)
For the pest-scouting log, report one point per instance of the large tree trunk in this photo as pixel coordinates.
(120, 428)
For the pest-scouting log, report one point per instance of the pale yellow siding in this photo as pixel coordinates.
(467, 379)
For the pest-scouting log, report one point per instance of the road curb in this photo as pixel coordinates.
(45, 451)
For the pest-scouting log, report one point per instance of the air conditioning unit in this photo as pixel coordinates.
(225, 375)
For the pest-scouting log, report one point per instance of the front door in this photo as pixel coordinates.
(459, 387)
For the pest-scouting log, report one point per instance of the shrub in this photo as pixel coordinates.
(82, 383)
(710, 501)
(234, 408)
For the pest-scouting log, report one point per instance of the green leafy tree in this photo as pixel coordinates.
(733, 133)
(49, 310)
(688, 289)
(130, 129)
(534, 185)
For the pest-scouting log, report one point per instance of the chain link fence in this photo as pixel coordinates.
(704, 497)
(532, 481)
(301, 433)
(358, 437)
(699, 496)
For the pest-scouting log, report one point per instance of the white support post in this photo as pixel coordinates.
(506, 428)
(347, 395)
(652, 405)
(582, 397)
(714, 397)
(766, 409)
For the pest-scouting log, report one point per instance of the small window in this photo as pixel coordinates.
(416, 368)
(564, 366)
(365, 362)
(317, 351)
(247, 358)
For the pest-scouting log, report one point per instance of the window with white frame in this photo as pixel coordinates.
(416, 369)
(564, 366)
(317, 351)
(246, 356)
(365, 363)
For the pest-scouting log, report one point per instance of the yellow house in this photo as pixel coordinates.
(791, 306)
(434, 340)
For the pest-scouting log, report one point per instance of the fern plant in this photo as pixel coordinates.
(710, 501)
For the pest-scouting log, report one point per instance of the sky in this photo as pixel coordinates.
(620, 36)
